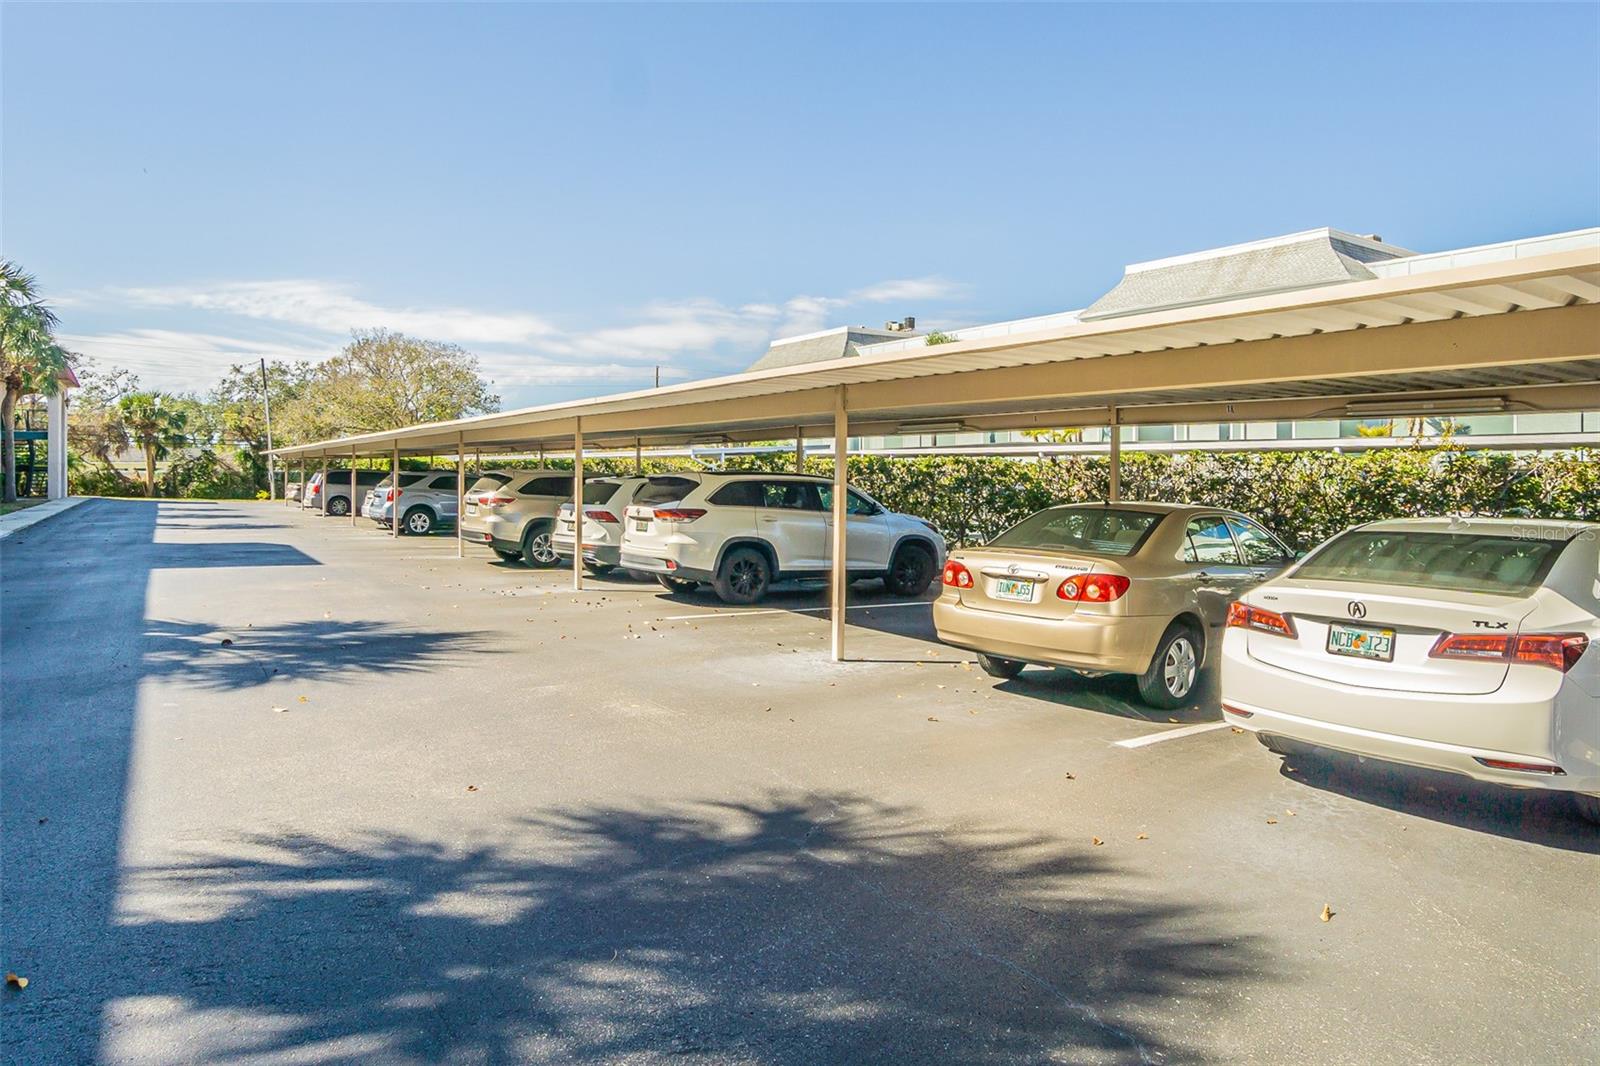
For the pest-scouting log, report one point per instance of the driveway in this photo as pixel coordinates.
(277, 790)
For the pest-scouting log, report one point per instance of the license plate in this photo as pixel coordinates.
(1361, 643)
(1009, 588)
(472, 508)
(641, 525)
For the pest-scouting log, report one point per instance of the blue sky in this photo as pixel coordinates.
(580, 193)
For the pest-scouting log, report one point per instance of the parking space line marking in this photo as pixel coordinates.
(1171, 734)
(787, 610)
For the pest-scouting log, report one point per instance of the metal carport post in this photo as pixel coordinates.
(352, 486)
(394, 490)
(577, 506)
(841, 485)
(461, 489)
(1114, 492)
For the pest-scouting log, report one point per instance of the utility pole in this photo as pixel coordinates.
(266, 400)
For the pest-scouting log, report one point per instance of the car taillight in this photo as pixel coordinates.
(390, 497)
(604, 516)
(957, 576)
(497, 501)
(1469, 646)
(679, 514)
(315, 489)
(1093, 588)
(1559, 651)
(1243, 616)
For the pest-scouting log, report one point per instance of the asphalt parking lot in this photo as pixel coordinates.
(280, 790)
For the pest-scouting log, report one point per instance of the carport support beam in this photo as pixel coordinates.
(638, 455)
(1114, 421)
(461, 489)
(394, 487)
(352, 488)
(841, 486)
(577, 505)
(799, 452)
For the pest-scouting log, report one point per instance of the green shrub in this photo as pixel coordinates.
(206, 476)
(97, 479)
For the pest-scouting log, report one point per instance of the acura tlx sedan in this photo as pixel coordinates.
(1465, 645)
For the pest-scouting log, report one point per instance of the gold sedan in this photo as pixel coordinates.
(1123, 588)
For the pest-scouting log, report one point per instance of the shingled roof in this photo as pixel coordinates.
(1278, 264)
(816, 347)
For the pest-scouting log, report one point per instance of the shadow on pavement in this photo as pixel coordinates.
(1533, 815)
(792, 929)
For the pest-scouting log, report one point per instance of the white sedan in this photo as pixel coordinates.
(1466, 645)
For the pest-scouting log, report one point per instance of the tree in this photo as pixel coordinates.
(30, 359)
(236, 408)
(95, 428)
(384, 379)
(155, 422)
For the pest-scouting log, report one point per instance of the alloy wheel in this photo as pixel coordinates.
(1179, 666)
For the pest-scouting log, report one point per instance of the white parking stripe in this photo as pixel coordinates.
(787, 610)
(1171, 734)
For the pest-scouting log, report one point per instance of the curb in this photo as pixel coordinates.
(17, 521)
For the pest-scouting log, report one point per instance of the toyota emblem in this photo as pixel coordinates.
(1356, 608)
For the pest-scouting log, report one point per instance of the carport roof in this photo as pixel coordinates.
(1520, 331)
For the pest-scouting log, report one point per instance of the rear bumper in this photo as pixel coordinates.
(603, 554)
(1528, 721)
(632, 559)
(1119, 645)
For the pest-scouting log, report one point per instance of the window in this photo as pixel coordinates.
(738, 494)
(489, 482)
(659, 490)
(790, 495)
(1207, 540)
(408, 479)
(560, 487)
(854, 504)
(1461, 562)
(444, 483)
(1260, 548)
(599, 490)
(1097, 530)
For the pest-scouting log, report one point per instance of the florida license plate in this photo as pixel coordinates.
(641, 524)
(1010, 588)
(1361, 643)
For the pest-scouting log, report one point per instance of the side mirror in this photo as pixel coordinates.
(1300, 555)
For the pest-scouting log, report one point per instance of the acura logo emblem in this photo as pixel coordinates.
(1356, 608)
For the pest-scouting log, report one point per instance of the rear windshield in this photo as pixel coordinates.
(1460, 562)
(559, 487)
(664, 490)
(1096, 530)
(405, 479)
(490, 481)
(599, 491)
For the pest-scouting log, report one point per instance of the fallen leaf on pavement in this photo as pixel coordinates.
(1071, 777)
(931, 718)
(1142, 836)
(1235, 729)
(16, 982)
(1272, 821)
(472, 788)
(1289, 813)
(280, 710)
(305, 699)
(1096, 841)
(1327, 912)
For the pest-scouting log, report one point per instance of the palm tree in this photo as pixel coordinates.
(154, 423)
(30, 360)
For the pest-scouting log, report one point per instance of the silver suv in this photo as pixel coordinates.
(742, 532)
(427, 499)
(517, 516)
(332, 495)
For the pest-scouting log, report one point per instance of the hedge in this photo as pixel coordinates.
(1304, 496)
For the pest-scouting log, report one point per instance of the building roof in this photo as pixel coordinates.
(839, 343)
(1279, 264)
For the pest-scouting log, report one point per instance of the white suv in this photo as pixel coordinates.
(742, 532)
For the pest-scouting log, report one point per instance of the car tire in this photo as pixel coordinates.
(418, 522)
(743, 577)
(1174, 669)
(995, 666)
(910, 571)
(508, 556)
(538, 549)
(676, 584)
(1588, 806)
(338, 507)
(599, 569)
